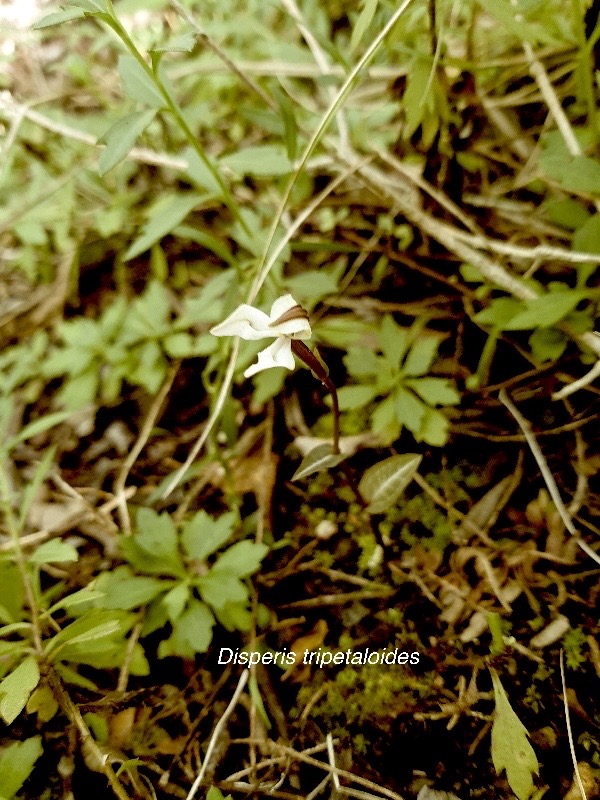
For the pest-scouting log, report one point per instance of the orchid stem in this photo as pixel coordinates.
(319, 370)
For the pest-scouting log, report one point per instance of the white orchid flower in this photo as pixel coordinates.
(287, 321)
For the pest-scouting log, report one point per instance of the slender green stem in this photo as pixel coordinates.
(173, 108)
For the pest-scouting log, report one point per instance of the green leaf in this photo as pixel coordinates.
(266, 160)
(410, 411)
(121, 137)
(568, 213)
(54, 550)
(353, 397)
(175, 601)
(506, 13)
(511, 750)
(393, 341)
(383, 483)
(31, 491)
(81, 597)
(57, 18)
(384, 416)
(179, 345)
(122, 589)
(80, 390)
(434, 428)
(38, 426)
(16, 763)
(16, 688)
(318, 459)
(415, 99)
(204, 535)
(587, 237)
(192, 632)
(241, 559)
(94, 626)
(543, 312)
(93, 6)
(548, 344)
(499, 312)
(216, 794)
(138, 84)
(157, 538)
(200, 174)
(435, 391)
(311, 286)
(421, 355)
(369, 7)
(575, 173)
(166, 216)
(362, 362)
(219, 588)
(184, 43)
(290, 126)
(11, 591)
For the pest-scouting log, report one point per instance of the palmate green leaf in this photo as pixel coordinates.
(511, 750)
(156, 540)
(545, 311)
(203, 535)
(393, 341)
(138, 84)
(434, 428)
(166, 216)
(241, 559)
(192, 632)
(121, 137)
(121, 589)
(219, 588)
(421, 355)
(16, 763)
(16, 688)
(362, 362)
(383, 483)
(435, 391)
(176, 600)
(80, 390)
(318, 459)
(353, 397)
(410, 411)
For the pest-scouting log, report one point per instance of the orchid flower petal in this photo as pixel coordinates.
(281, 305)
(246, 322)
(278, 354)
(297, 327)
